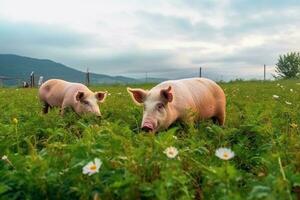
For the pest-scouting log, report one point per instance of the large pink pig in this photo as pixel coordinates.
(55, 92)
(185, 99)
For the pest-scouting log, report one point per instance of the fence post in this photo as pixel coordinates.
(200, 72)
(32, 79)
(264, 72)
(87, 79)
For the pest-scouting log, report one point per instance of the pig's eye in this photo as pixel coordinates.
(160, 106)
(85, 102)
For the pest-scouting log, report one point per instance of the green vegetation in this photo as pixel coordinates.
(288, 65)
(46, 153)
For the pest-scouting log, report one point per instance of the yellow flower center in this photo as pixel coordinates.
(225, 155)
(93, 167)
(15, 120)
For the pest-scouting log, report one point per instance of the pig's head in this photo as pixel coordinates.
(87, 102)
(156, 107)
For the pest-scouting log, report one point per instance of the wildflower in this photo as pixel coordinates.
(5, 158)
(282, 86)
(171, 152)
(175, 137)
(15, 120)
(278, 84)
(293, 125)
(224, 153)
(288, 103)
(261, 174)
(92, 167)
(275, 96)
(291, 90)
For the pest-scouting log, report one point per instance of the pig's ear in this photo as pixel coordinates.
(138, 95)
(166, 94)
(100, 96)
(79, 96)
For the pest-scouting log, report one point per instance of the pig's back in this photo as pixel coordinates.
(198, 94)
(53, 91)
(201, 87)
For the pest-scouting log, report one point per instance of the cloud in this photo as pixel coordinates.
(16, 36)
(164, 38)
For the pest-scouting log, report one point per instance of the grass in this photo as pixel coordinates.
(46, 153)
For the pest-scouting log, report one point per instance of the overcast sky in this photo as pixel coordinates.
(165, 38)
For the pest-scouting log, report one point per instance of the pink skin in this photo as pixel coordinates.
(63, 94)
(186, 99)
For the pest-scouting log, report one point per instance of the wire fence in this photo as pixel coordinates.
(263, 72)
(146, 76)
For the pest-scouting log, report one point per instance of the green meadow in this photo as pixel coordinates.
(43, 155)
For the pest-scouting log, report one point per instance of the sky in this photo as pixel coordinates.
(164, 38)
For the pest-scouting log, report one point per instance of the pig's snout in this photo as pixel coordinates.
(97, 113)
(148, 127)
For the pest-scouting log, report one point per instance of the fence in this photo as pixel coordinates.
(263, 72)
(218, 74)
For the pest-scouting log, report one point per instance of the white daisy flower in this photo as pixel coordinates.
(224, 153)
(291, 90)
(5, 158)
(288, 103)
(275, 96)
(171, 152)
(92, 167)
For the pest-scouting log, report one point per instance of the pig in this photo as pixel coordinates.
(63, 94)
(185, 99)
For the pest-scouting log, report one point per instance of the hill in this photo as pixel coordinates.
(20, 67)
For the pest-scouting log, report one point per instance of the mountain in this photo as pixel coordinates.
(14, 69)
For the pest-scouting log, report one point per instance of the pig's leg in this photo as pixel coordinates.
(63, 107)
(215, 120)
(46, 108)
(219, 119)
(62, 110)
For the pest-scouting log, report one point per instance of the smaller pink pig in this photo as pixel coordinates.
(186, 99)
(63, 94)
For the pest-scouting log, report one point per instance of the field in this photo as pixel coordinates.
(46, 153)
